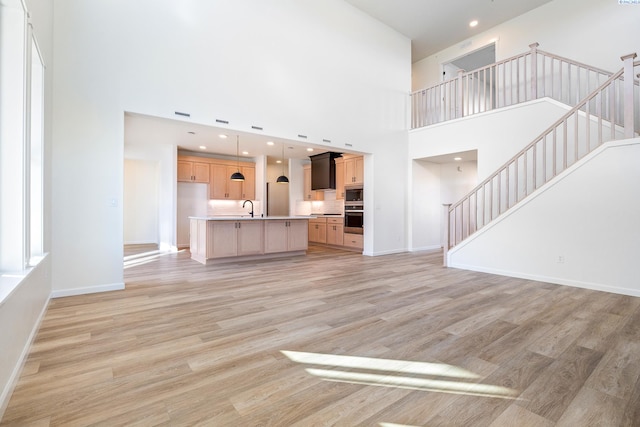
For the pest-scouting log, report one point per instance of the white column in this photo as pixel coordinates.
(628, 94)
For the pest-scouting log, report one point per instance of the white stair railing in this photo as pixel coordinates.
(521, 78)
(608, 113)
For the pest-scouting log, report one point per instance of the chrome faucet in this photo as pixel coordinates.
(245, 202)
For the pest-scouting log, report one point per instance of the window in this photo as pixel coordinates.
(21, 140)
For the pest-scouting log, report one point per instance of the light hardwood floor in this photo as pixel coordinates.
(333, 338)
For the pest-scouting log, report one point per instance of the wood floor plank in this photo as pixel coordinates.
(187, 344)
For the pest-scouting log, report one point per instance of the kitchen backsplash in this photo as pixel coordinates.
(319, 207)
(232, 208)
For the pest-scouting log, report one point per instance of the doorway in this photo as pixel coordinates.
(469, 62)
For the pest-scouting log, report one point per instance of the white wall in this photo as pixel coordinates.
(425, 206)
(594, 32)
(141, 202)
(592, 232)
(292, 67)
(497, 135)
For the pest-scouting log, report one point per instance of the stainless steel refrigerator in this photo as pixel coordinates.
(277, 199)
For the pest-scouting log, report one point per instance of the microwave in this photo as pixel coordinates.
(353, 193)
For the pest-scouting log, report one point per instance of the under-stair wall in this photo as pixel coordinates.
(579, 229)
(495, 135)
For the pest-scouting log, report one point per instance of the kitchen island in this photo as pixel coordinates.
(219, 238)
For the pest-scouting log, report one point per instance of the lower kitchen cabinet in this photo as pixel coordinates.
(318, 230)
(221, 239)
(353, 240)
(335, 231)
(285, 235)
(233, 238)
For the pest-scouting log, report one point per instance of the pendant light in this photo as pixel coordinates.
(237, 176)
(282, 179)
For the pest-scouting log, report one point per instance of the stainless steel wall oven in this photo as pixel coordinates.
(353, 220)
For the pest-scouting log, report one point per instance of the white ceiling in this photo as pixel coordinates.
(435, 25)
(140, 129)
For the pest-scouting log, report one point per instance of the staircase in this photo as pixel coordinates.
(606, 107)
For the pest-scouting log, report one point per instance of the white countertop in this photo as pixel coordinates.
(248, 218)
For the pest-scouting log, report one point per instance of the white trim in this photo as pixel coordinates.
(17, 370)
(389, 252)
(554, 280)
(87, 290)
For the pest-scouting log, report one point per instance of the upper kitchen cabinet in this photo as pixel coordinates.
(221, 187)
(190, 171)
(310, 194)
(217, 173)
(353, 170)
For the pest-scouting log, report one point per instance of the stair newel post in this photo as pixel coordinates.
(628, 94)
(446, 234)
(534, 70)
(459, 107)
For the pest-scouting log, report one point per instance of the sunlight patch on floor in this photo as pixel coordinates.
(146, 257)
(343, 366)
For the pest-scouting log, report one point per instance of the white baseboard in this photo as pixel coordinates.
(557, 281)
(390, 252)
(88, 290)
(15, 375)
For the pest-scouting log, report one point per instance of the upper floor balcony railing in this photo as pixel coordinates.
(525, 77)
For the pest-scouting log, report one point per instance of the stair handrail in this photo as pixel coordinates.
(542, 137)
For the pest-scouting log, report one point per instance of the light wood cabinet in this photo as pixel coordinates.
(217, 173)
(234, 238)
(249, 184)
(310, 194)
(285, 235)
(353, 240)
(222, 240)
(318, 230)
(250, 237)
(189, 171)
(335, 231)
(221, 186)
(340, 176)
(353, 170)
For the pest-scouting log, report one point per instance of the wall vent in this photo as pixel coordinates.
(328, 141)
(222, 121)
(178, 113)
(348, 145)
(256, 127)
(302, 136)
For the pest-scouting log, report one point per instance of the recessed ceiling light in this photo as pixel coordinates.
(223, 136)
(245, 152)
(457, 159)
(269, 142)
(278, 161)
(202, 147)
(309, 149)
(473, 23)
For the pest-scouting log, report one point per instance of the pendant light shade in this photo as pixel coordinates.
(282, 179)
(237, 176)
